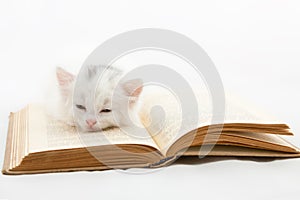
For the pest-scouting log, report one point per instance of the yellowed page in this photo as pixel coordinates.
(171, 125)
(220, 150)
(46, 133)
(161, 115)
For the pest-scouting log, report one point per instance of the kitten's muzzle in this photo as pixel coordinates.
(91, 122)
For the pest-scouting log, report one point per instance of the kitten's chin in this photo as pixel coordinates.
(86, 129)
(89, 130)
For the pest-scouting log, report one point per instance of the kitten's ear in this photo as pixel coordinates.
(133, 88)
(64, 78)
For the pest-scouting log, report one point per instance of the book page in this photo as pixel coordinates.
(46, 133)
(162, 116)
(168, 126)
(225, 150)
(239, 110)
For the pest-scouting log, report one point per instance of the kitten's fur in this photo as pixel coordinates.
(94, 105)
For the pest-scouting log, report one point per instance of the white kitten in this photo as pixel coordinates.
(96, 100)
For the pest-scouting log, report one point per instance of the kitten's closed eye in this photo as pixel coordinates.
(81, 107)
(106, 110)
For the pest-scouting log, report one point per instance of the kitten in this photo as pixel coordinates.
(93, 105)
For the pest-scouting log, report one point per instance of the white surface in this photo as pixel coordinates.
(254, 44)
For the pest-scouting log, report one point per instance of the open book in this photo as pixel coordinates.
(37, 143)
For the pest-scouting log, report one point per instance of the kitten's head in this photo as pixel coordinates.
(98, 99)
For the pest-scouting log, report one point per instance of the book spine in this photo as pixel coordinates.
(163, 162)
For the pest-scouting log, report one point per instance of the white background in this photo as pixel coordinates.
(254, 44)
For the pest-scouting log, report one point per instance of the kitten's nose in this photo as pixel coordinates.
(91, 122)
